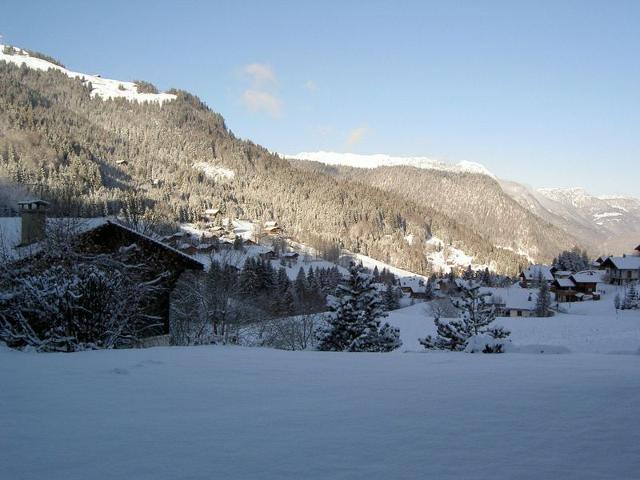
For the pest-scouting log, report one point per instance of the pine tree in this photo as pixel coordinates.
(376, 274)
(355, 325)
(391, 300)
(543, 301)
(473, 322)
(631, 300)
(468, 273)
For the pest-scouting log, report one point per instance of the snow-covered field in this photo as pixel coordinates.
(241, 413)
(588, 327)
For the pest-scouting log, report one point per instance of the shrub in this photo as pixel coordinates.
(145, 87)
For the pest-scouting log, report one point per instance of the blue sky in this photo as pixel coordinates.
(543, 92)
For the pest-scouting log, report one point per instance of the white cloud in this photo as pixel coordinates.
(261, 101)
(357, 135)
(311, 85)
(260, 74)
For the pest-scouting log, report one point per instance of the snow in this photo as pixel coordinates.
(598, 216)
(241, 413)
(513, 297)
(382, 160)
(406, 277)
(215, 172)
(592, 326)
(102, 87)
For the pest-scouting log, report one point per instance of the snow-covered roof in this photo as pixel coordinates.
(533, 271)
(562, 273)
(565, 283)
(588, 276)
(11, 233)
(625, 263)
(36, 202)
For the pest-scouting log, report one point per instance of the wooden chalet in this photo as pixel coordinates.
(112, 236)
(102, 236)
(579, 286)
(622, 270)
(272, 228)
(530, 276)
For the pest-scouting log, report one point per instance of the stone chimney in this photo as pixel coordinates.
(34, 220)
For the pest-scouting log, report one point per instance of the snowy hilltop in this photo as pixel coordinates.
(382, 160)
(101, 87)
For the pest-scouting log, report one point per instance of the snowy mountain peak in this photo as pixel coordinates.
(382, 160)
(102, 87)
(575, 196)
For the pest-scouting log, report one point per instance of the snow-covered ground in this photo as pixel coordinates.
(213, 171)
(587, 327)
(238, 413)
(241, 413)
(102, 87)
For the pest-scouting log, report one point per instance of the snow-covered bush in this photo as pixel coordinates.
(485, 343)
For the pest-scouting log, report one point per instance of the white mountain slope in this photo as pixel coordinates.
(608, 224)
(102, 87)
(382, 160)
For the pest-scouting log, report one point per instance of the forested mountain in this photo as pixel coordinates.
(475, 200)
(170, 160)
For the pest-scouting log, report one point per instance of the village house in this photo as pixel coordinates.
(512, 301)
(565, 289)
(210, 214)
(587, 282)
(23, 239)
(414, 287)
(174, 238)
(579, 286)
(267, 254)
(291, 257)
(530, 276)
(622, 270)
(597, 263)
(272, 228)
